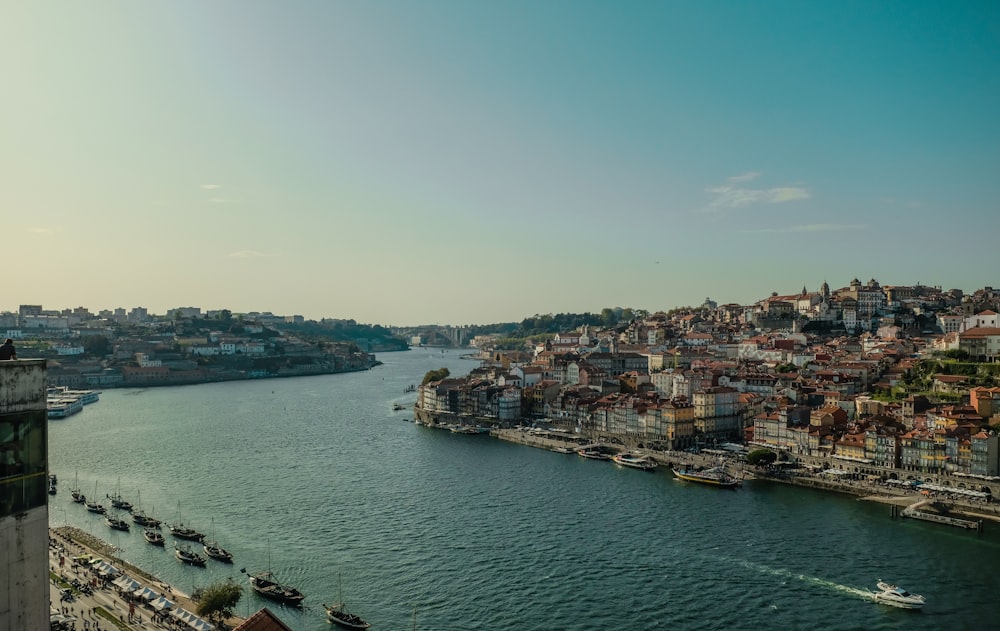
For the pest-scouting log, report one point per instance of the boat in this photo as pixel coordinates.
(140, 517)
(896, 596)
(338, 615)
(181, 531)
(265, 584)
(635, 461)
(153, 536)
(61, 406)
(468, 429)
(184, 554)
(94, 507)
(115, 523)
(117, 501)
(714, 476)
(594, 453)
(563, 450)
(396, 407)
(214, 550)
(75, 492)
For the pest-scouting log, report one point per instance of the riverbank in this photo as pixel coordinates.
(76, 543)
(865, 490)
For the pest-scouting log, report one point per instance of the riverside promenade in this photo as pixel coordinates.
(107, 608)
(863, 489)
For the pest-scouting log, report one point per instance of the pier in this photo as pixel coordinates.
(913, 512)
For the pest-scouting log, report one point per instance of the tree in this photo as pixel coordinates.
(96, 345)
(761, 457)
(218, 601)
(435, 375)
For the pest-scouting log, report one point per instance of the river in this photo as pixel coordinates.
(320, 480)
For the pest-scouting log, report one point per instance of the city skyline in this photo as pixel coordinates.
(476, 163)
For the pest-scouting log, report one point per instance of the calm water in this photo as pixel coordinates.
(320, 478)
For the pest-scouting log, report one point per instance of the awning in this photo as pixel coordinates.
(146, 594)
(161, 604)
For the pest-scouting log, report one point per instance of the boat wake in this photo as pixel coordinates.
(812, 580)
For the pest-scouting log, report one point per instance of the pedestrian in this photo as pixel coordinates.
(7, 351)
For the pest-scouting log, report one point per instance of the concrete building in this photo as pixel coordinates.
(24, 514)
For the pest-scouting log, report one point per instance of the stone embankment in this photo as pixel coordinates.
(868, 490)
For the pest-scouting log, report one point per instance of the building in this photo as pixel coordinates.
(24, 513)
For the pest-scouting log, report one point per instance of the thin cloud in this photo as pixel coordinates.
(248, 254)
(814, 227)
(211, 187)
(36, 230)
(733, 195)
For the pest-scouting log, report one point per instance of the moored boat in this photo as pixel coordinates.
(896, 596)
(141, 518)
(715, 476)
(214, 550)
(183, 532)
(153, 536)
(594, 453)
(336, 615)
(95, 507)
(184, 554)
(635, 461)
(116, 524)
(265, 584)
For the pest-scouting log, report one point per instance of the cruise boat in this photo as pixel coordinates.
(715, 476)
(153, 536)
(635, 461)
(186, 555)
(896, 596)
(59, 407)
(594, 453)
(265, 584)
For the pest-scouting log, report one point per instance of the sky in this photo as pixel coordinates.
(456, 162)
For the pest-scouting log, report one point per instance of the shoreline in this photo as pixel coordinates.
(80, 542)
(864, 491)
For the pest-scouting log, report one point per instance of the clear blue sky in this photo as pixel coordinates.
(461, 162)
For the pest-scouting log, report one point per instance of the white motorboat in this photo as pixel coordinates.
(896, 596)
(635, 461)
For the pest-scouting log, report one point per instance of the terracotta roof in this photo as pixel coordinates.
(263, 620)
(980, 331)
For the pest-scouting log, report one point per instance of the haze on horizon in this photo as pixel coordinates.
(477, 162)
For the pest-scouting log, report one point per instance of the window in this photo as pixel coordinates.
(23, 450)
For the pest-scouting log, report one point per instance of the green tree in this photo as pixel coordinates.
(761, 457)
(96, 345)
(435, 375)
(218, 601)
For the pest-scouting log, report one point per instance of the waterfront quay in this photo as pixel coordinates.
(75, 556)
(868, 487)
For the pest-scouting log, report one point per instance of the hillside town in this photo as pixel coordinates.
(886, 376)
(135, 348)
